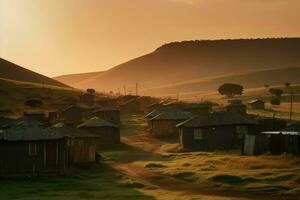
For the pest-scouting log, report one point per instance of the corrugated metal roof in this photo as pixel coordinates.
(293, 129)
(173, 115)
(217, 119)
(281, 132)
(96, 122)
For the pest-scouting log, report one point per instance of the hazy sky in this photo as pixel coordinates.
(55, 37)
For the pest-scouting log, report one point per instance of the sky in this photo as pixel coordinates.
(55, 37)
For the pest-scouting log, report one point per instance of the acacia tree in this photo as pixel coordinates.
(231, 89)
(91, 91)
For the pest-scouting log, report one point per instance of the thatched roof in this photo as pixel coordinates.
(217, 119)
(173, 115)
(96, 122)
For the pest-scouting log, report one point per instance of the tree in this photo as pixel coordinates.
(231, 89)
(276, 92)
(91, 91)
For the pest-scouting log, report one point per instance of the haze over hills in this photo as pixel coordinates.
(182, 61)
(9, 70)
(76, 79)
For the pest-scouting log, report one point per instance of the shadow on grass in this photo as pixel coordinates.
(95, 181)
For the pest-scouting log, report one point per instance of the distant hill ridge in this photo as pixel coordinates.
(9, 70)
(182, 61)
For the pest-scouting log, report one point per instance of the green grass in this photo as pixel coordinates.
(88, 182)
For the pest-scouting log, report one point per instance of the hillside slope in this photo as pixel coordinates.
(254, 79)
(181, 61)
(9, 70)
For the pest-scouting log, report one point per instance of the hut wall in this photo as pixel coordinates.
(224, 137)
(82, 150)
(164, 128)
(15, 158)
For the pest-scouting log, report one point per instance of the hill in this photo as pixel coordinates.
(182, 61)
(9, 70)
(253, 79)
(13, 94)
(76, 79)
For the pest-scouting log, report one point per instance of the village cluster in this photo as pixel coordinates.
(40, 143)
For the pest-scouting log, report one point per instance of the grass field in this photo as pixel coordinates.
(96, 181)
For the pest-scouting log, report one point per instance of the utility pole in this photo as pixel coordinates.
(288, 85)
(291, 104)
(124, 89)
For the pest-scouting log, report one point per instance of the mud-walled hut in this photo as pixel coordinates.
(213, 131)
(31, 149)
(164, 124)
(107, 132)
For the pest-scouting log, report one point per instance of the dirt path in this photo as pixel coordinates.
(144, 146)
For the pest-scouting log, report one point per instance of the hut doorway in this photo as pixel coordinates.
(51, 155)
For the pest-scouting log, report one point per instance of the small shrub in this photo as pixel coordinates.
(154, 165)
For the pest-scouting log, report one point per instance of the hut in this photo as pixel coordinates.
(236, 107)
(257, 143)
(73, 114)
(219, 130)
(107, 132)
(286, 140)
(164, 124)
(108, 114)
(132, 106)
(256, 104)
(30, 149)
